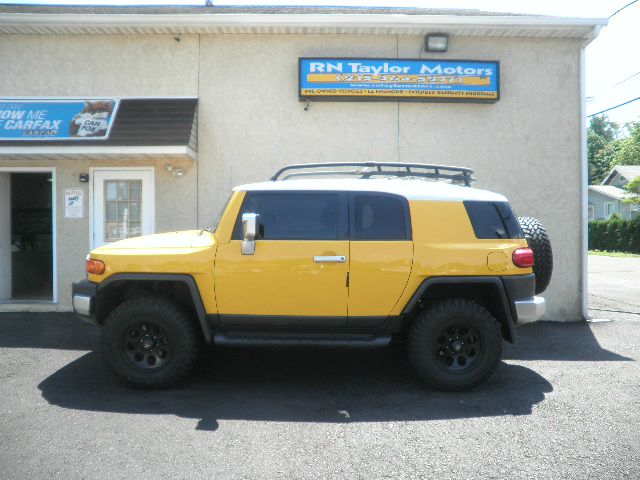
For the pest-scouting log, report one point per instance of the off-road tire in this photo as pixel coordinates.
(157, 314)
(538, 241)
(428, 353)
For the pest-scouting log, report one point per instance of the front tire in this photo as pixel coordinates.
(454, 345)
(149, 342)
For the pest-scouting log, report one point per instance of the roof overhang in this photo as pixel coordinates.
(52, 152)
(300, 23)
(609, 177)
(604, 191)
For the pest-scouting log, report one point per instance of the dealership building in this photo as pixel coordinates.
(122, 121)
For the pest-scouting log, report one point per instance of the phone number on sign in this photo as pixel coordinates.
(39, 133)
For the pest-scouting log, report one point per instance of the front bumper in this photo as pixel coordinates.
(530, 309)
(83, 296)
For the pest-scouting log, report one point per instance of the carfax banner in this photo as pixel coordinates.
(411, 79)
(56, 119)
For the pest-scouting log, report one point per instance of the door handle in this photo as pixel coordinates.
(329, 259)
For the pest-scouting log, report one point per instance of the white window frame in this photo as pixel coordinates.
(92, 172)
(54, 229)
(609, 209)
(592, 211)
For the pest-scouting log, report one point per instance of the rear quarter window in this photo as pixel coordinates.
(493, 219)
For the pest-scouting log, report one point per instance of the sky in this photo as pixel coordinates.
(612, 67)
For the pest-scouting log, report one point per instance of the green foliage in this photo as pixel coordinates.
(633, 191)
(601, 147)
(608, 145)
(627, 151)
(603, 127)
(615, 235)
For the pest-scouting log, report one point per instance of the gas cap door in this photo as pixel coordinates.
(497, 261)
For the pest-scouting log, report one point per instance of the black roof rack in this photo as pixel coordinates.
(370, 169)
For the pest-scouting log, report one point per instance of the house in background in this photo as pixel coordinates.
(607, 198)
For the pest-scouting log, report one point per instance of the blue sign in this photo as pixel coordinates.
(415, 79)
(56, 119)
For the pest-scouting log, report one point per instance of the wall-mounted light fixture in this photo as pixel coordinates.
(173, 170)
(436, 42)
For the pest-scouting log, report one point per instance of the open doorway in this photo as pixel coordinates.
(26, 236)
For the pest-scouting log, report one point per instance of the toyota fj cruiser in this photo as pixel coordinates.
(394, 251)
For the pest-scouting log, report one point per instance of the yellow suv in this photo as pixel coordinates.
(334, 254)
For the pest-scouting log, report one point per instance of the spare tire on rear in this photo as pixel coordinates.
(538, 241)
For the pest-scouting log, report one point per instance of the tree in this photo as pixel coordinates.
(602, 146)
(632, 191)
(628, 151)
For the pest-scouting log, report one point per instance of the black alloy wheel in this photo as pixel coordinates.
(458, 348)
(454, 344)
(146, 345)
(150, 342)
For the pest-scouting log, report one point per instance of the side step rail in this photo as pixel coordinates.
(253, 339)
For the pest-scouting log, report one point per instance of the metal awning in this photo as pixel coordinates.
(144, 128)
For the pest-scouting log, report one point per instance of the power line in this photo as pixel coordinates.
(613, 108)
(620, 9)
(628, 78)
(599, 94)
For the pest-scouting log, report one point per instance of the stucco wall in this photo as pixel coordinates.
(527, 145)
(114, 65)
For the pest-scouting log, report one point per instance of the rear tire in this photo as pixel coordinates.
(538, 241)
(454, 345)
(149, 342)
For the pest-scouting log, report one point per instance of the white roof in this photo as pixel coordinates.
(411, 189)
(608, 190)
(630, 172)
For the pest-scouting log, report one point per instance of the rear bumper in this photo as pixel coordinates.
(83, 295)
(530, 310)
(526, 307)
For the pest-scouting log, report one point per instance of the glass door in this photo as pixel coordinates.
(26, 236)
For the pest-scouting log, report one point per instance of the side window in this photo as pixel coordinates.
(295, 216)
(609, 209)
(379, 217)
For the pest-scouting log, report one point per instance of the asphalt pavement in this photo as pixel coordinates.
(564, 404)
(614, 286)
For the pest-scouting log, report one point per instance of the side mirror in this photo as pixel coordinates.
(249, 233)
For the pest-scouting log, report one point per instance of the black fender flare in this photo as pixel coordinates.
(503, 300)
(188, 280)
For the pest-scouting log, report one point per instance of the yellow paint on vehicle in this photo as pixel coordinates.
(281, 278)
(445, 245)
(378, 274)
(497, 261)
(187, 252)
(228, 221)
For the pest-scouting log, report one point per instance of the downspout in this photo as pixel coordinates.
(584, 183)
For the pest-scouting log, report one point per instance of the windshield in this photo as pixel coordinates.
(212, 228)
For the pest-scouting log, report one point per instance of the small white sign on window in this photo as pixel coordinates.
(73, 203)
